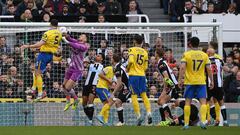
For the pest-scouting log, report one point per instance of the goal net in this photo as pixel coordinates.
(16, 68)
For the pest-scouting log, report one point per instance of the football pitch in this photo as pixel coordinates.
(125, 130)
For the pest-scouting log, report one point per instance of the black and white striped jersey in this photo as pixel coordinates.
(93, 72)
(217, 70)
(120, 71)
(163, 67)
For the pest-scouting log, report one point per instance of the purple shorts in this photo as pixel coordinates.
(72, 74)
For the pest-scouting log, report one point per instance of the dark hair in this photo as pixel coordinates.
(194, 41)
(188, 1)
(54, 22)
(160, 52)
(138, 39)
(116, 57)
(214, 45)
(103, 56)
(210, 3)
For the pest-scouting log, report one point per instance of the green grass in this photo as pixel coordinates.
(126, 130)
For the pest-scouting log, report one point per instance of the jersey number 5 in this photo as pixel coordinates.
(197, 64)
(140, 59)
(56, 40)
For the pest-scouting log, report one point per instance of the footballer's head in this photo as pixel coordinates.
(99, 57)
(116, 58)
(213, 45)
(159, 53)
(83, 38)
(54, 22)
(210, 52)
(138, 40)
(193, 42)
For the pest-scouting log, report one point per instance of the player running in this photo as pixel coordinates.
(89, 87)
(48, 46)
(217, 92)
(192, 71)
(137, 65)
(170, 85)
(75, 69)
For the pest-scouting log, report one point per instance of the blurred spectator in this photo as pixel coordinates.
(175, 72)
(26, 16)
(170, 59)
(21, 7)
(229, 67)
(153, 92)
(17, 56)
(12, 75)
(5, 6)
(191, 9)
(108, 56)
(133, 9)
(74, 6)
(91, 55)
(101, 8)
(124, 57)
(48, 9)
(56, 91)
(103, 47)
(221, 5)
(10, 11)
(113, 7)
(165, 6)
(91, 7)
(46, 17)
(65, 13)
(101, 18)
(32, 6)
(3, 46)
(146, 46)
(236, 57)
(56, 5)
(232, 9)
(20, 88)
(82, 10)
(9, 92)
(176, 10)
(158, 45)
(210, 8)
(201, 4)
(82, 19)
(3, 84)
(233, 92)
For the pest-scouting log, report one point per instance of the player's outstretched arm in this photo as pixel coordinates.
(101, 75)
(37, 45)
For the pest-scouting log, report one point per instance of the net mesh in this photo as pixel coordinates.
(16, 69)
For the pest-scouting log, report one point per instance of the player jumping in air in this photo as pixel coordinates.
(75, 69)
(102, 90)
(48, 46)
(89, 87)
(170, 86)
(137, 65)
(192, 71)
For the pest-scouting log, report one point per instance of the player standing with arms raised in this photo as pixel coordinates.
(48, 46)
(192, 71)
(137, 65)
(75, 69)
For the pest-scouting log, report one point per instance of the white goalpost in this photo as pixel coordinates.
(16, 68)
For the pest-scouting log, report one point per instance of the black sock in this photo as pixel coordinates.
(90, 112)
(162, 113)
(85, 109)
(224, 112)
(120, 115)
(166, 108)
(213, 113)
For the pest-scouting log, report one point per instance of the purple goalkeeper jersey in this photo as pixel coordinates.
(78, 52)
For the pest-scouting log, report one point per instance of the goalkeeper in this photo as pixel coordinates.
(75, 69)
(48, 46)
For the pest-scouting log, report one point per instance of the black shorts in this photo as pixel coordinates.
(216, 92)
(89, 89)
(124, 95)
